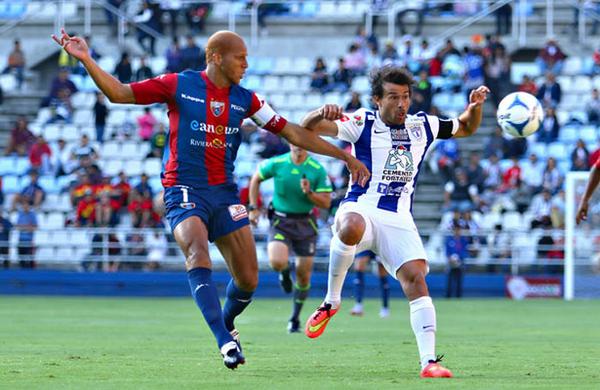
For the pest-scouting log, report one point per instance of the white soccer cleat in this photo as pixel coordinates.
(357, 310)
(232, 355)
(384, 312)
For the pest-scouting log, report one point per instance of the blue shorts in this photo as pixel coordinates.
(218, 208)
(369, 253)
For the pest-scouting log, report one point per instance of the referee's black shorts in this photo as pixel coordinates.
(297, 231)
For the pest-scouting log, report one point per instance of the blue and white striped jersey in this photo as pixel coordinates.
(394, 155)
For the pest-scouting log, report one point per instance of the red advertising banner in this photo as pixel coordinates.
(521, 287)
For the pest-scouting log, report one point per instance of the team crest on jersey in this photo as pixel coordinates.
(237, 212)
(217, 108)
(359, 120)
(400, 159)
(416, 129)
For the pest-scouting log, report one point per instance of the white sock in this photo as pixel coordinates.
(341, 257)
(422, 319)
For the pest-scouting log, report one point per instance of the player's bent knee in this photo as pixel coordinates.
(351, 229)
(278, 264)
(247, 282)
(197, 260)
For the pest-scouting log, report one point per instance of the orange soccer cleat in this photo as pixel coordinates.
(435, 370)
(317, 322)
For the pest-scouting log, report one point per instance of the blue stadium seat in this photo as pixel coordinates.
(588, 134)
(156, 184)
(7, 165)
(10, 184)
(559, 150)
(569, 134)
(22, 165)
(48, 183)
(264, 65)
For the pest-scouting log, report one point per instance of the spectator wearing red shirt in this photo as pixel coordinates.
(121, 190)
(21, 138)
(140, 209)
(80, 189)
(528, 85)
(551, 58)
(86, 209)
(39, 156)
(511, 177)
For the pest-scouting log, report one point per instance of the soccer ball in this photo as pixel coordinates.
(520, 114)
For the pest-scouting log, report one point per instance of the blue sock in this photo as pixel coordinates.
(385, 290)
(236, 302)
(359, 286)
(207, 298)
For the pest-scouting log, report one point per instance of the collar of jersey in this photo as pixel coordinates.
(391, 127)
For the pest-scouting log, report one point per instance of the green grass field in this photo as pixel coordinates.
(83, 343)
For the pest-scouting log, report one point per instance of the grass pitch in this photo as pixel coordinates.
(120, 343)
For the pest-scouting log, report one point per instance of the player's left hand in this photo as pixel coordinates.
(331, 112)
(478, 96)
(75, 46)
(582, 212)
(358, 170)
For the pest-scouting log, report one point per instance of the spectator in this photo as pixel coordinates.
(459, 194)
(319, 78)
(146, 123)
(140, 210)
(123, 69)
(86, 209)
(158, 142)
(173, 56)
(499, 246)
(497, 71)
(354, 103)
(16, 63)
(80, 188)
(171, 8)
(503, 19)
(372, 59)
(541, 209)
(550, 128)
(84, 149)
(5, 229)
(475, 173)
(61, 158)
(106, 210)
(40, 156)
(98, 255)
(558, 210)
(342, 78)
(474, 75)
(192, 56)
(532, 174)
(136, 251)
(553, 178)
(390, 54)
(435, 65)
(149, 20)
(551, 58)
(595, 63)
(61, 108)
(27, 224)
(100, 114)
(449, 49)
(273, 145)
(355, 60)
(365, 42)
(456, 254)
(493, 174)
(580, 157)
(144, 189)
(592, 108)
(424, 55)
(528, 85)
(407, 55)
(144, 72)
(550, 93)
(422, 94)
(21, 139)
(32, 193)
(521, 196)
(59, 83)
(511, 177)
(121, 190)
(196, 15)
(448, 157)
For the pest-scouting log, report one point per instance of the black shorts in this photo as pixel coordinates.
(299, 234)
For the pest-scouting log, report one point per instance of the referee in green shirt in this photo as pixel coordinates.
(301, 183)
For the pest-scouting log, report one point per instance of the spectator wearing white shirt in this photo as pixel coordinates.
(541, 208)
(532, 172)
(157, 246)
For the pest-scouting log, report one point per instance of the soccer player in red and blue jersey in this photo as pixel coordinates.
(206, 110)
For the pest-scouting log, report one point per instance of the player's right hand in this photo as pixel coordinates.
(75, 46)
(331, 112)
(581, 213)
(358, 170)
(253, 217)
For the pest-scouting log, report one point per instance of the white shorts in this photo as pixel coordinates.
(394, 237)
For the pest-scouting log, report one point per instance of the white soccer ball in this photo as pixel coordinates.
(520, 114)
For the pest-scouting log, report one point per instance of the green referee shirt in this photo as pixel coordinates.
(288, 196)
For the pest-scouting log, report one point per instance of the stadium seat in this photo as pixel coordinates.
(588, 134)
(519, 69)
(296, 100)
(130, 150)
(303, 65)
(572, 66)
(8, 82)
(569, 134)
(110, 150)
(152, 166)
(314, 101)
(10, 184)
(7, 165)
(511, 220)
(44, 253)
(158, 64)
(22, 165)
(327, 9)
(333, 98)
(290, 84)
(278, 100)
(82, 117)
(112, 166)
(116, 117)
(41, 238)
(65, 254)
(133, 168)
(264, 65)
(283, 65)
(48, 183)
(107, 63)
(558, 150)
(539, 148)
(361, 85)
(51, 132)
(489, 220)
(271, 84)
(54, 220)
(563, 166)
(252, 82)
(581, 84)
(155, 184)
(565, 82)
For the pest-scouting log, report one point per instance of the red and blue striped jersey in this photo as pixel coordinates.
(204, 126)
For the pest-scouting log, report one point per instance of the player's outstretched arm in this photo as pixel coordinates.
(592, 184)
(321, 120)
(253, 198)
(114, 90)
(470, 119)
(311, 141)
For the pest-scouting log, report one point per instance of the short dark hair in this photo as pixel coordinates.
(389, 74)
